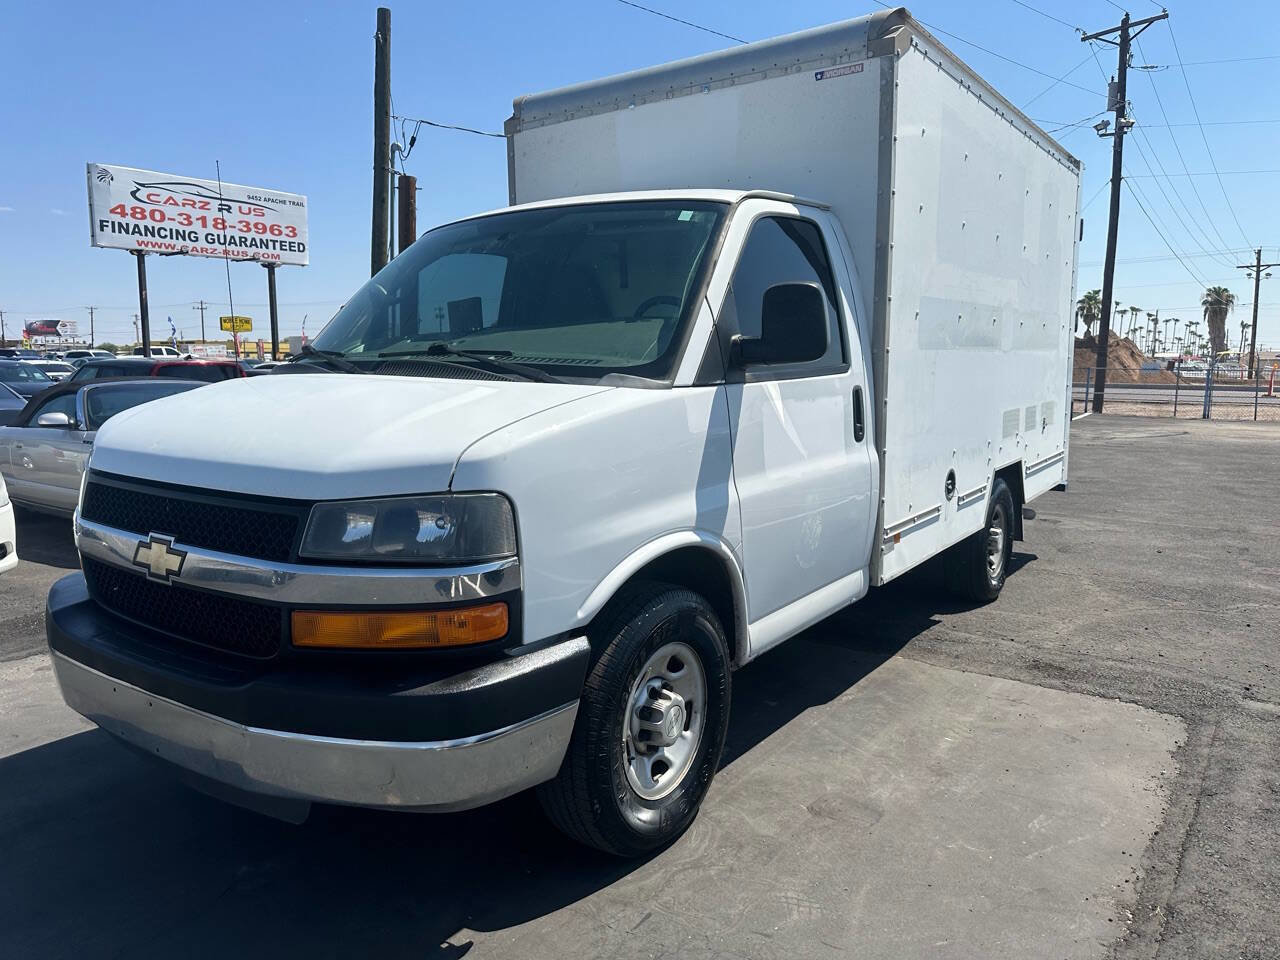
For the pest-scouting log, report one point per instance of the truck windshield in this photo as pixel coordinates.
(580, 292)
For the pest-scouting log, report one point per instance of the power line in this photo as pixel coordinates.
(1185, 169)
(1155, 258)
(687, 23)
(1202, 63)
(1048, 16)
(1096, 195)
(1173, 186)
(1142, 154)
(449, 126)
(987, 50)
(1159, 223)
(1134, 193)
(1204, 136)
(1054, 84)
(1077, 123)
(1218, 173)
(1161, 126)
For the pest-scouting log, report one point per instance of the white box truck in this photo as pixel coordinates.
(760, 330)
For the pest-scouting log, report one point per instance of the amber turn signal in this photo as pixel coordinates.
(399, 629)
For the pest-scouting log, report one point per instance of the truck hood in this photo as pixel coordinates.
(318, 436)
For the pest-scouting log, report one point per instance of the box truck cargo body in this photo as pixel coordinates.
(960, 214)
(759, 331)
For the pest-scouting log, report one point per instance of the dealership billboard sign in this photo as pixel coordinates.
(147, 212)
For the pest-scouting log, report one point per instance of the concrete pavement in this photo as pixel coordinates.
(1087, 767)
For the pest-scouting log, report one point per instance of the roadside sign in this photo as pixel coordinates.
(148, 212)
(236, 324)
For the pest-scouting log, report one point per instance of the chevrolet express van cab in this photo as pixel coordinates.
(759, 331)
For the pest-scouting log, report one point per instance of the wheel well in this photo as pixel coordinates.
(1012, 476)
(702, 571)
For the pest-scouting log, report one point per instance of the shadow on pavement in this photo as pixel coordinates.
(46, 539)
(106, 854)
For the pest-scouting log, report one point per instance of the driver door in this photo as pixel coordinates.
(52, 459)
(801, 457)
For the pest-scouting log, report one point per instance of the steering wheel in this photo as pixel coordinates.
(652, 302)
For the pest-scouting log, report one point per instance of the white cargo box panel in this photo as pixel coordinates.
(960, 215)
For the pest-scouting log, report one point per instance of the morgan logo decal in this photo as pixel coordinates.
(844, 71)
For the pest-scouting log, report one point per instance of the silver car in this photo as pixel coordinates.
(43, 453)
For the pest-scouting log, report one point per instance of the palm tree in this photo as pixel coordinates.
(1217, 303)
(1089, 309)
(1133, 319)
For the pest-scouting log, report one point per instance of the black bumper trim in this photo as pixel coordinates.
(399, 700)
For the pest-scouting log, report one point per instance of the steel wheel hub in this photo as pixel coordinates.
(995, 546)
(662, 729)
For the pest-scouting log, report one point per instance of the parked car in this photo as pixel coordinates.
(11, 404)
(18, 353)
(56, 369)
(256, 368)
(8, 531)
(43, 453)
(570, 463)
(159, 351)
(79, 356)
(24, 377)
(210, 371)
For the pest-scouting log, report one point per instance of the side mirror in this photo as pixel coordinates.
(793, 327)
(54, 419)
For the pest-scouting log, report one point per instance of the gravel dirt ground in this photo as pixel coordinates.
(1088, 767)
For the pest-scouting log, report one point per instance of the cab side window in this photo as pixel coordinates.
(786, 250)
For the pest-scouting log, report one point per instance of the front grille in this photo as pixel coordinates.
(209, 619)
(228, 528)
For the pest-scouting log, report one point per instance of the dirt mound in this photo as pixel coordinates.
(1124, 362)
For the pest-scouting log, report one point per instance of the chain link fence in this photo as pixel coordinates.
(1191, 391)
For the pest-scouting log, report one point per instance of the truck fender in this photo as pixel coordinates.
(666, 544)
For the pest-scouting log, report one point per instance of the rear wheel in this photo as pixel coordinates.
(977, 566)
(651, 724)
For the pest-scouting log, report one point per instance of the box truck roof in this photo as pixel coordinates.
(831, 46)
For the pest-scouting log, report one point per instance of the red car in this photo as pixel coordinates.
(209, 371)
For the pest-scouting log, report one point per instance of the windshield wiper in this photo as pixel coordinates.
(334, 359)
(485, 358)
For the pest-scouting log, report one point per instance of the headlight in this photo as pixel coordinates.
(452, 528)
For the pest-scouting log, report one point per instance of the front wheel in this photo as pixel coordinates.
(977, 566)
(651, 724)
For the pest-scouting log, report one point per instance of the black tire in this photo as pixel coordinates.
(968, 567)
(592, 799)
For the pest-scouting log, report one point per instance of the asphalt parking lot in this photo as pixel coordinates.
(1089, 767)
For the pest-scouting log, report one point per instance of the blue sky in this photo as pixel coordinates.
(281, 93)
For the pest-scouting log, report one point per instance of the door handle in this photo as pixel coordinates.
(859, 417)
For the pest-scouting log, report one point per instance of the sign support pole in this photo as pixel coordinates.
(143, 312)
(275, 318)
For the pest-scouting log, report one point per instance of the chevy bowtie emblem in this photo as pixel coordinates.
(159, 558)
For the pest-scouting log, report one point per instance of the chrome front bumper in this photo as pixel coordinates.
(431, 775)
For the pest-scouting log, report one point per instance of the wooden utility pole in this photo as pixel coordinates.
(1117, 102)
(408, 212)
(1257, 267)
(92, 339)
(201, 306)
(4, 338)
(381, 142)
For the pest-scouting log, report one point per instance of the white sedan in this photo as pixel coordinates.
(8, 533)
(54, 369)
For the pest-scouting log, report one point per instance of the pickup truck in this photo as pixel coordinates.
(758, 332)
